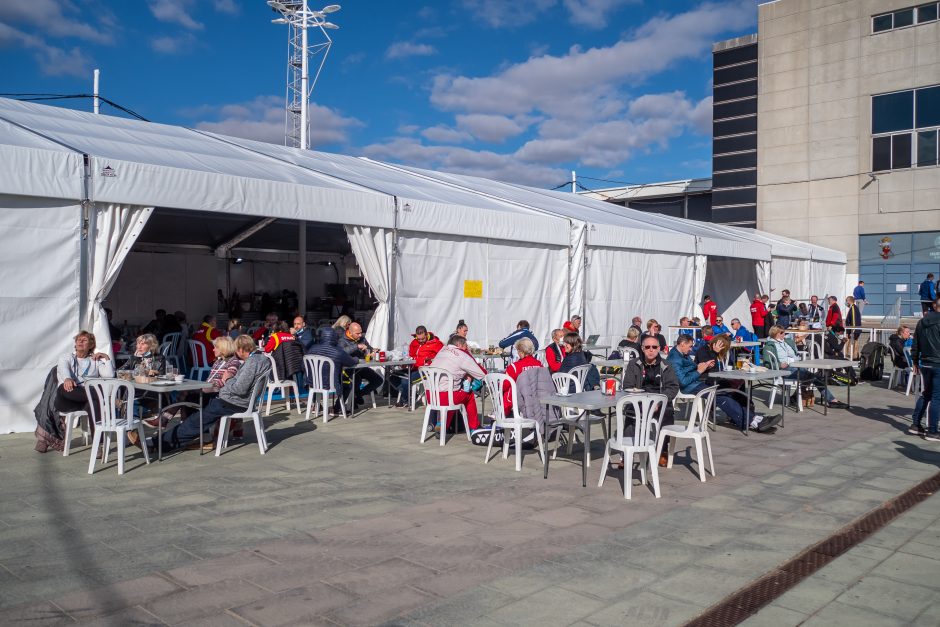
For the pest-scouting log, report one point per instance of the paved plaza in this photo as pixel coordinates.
(355, 523)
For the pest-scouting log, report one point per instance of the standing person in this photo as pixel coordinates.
(834, 315)
(814, 313)
(853, 318)
(859, 295)
(758, 314)
(456, 360)
(710, 310)
(555, 352)
(928, 293)
(785, 310)
(925, 353)
(769, 318)
(522, 330)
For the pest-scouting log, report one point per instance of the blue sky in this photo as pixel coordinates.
(517, 90)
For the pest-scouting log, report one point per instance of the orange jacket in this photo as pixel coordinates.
(276, 338)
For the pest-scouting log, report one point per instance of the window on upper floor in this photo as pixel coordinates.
(904, 127)
(905, 17)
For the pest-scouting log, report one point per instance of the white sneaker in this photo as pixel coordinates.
(755, 420)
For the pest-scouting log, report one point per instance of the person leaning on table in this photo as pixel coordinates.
(233, 397)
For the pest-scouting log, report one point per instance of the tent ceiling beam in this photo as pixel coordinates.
(222, 250)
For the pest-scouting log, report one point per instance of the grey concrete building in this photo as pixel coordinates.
(848, 113)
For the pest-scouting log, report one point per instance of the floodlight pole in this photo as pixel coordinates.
(304, 80)
(96, 91)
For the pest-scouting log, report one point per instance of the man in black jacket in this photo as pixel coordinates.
(653, 374)
(353, 344)
(327, 347)
(897, 341)
(925, 353)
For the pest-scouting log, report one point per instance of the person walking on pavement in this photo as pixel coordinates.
(927, 293)
(925, 354)
(859, 295)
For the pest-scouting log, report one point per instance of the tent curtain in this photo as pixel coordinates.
(764, 270)
(732, 283)
(116, 228)
(698, 285)
(372, 247)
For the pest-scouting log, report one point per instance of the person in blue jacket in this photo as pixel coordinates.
(928, 293)
(522, 331)
(687, 371)
(719, 327)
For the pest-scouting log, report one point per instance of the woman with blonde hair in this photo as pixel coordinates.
(343, 323)
(147, 356)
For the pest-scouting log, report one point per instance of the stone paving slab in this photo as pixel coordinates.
(354, 522)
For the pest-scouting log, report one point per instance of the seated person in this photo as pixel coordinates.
(235, 328)
(522, 330)
(719, 327)
(423, 348)
(632, 341)
(263, 333)
(733, 405)
(741, 331)
(72, 372)
(833, 342)
(705, 336)
(327, 347)
(456, 360)
(234, 397)
(897, 341)
(653, 329)
(205, 335)
(784, 349)
(570, 326)
(555, 352)
(685, 326)
(574, 357)
(146, 356)
(652, 373)
(526, 351)
(637, 323)
(687, 371)
(356, 346)
(303, 334)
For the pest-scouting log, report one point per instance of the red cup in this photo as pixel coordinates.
(610, 387)
(382, 356)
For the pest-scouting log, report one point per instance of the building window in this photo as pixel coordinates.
(904, 17)
(895, 119)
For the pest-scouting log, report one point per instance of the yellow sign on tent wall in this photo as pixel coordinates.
(473, 289)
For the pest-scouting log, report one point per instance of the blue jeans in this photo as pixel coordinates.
(931, 397)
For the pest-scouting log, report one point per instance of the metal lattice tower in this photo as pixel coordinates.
(299, 19)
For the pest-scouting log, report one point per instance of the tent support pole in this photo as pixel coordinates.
(84, 245)
(393, 271)
(302, 268)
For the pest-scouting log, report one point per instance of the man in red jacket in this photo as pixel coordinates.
(573, 325)
(758, 314)
(710, 309)
(526, 351)
(555, 352)
(834, 315)
(423, 348)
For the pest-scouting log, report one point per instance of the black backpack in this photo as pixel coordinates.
(872, 361)
(844, 376)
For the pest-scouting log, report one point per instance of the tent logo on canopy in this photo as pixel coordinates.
(108, 171)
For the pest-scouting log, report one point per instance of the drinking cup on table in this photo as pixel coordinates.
(178, 378)
(382, 356)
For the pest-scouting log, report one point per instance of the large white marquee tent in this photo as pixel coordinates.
(77, 190)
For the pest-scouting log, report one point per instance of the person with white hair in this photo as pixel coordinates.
(526, 351)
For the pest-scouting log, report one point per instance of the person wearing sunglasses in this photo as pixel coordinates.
(652, 373)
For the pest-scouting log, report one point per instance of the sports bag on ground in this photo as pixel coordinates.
(872, 362)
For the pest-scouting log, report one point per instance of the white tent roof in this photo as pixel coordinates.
(780, 245)
(605, 228)
(160, 165)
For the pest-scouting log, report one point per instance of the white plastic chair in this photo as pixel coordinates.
(275, 383)
(175, 341)
(494, 384)
(648, 412)
(251, 414)
(437, 383)
(197, 353)
(895, 379)
(630, 353)
(787, 386)
(581, 372)
(573, 418)
(71, 420)
(114, 400)
(321, 386)
(540, 355)
(695, 430)
(914, 379)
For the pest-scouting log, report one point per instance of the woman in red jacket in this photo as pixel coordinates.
(758, 315)
(834, 315)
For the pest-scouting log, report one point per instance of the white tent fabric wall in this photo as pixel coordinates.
(732, 284)
(39, 269)
(700, 271)
(518, 281)
(828, 279)
(626, 283)
(115, 228)
(372, 248)
(790, 274)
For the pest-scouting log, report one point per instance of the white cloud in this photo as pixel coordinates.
(59, 18)
(401, 49)
(175, 12)
(445, 135)
(493, 128)
(507, 13)
(52, 60)
(262, 119)
(593, 13)
(173, 45)
(226, 6)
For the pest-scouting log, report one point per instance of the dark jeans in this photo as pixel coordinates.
(76, 400)
(930, 398)
(372, 379)
(727, 403)
(188, 429)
